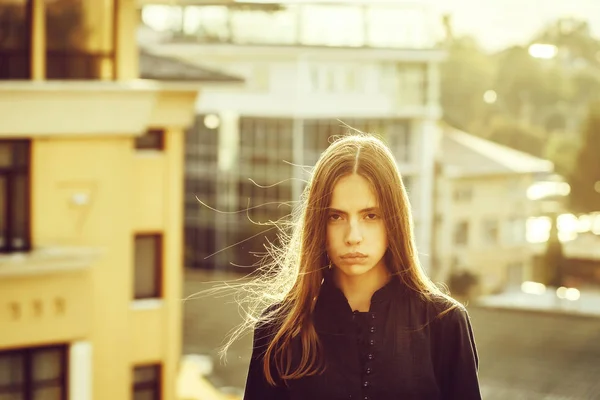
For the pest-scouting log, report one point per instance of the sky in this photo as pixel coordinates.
(500, 23)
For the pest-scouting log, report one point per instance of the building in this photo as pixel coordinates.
(310, 68)
(91, 206)
(482, 209)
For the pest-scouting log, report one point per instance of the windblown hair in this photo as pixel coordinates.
(294, 276)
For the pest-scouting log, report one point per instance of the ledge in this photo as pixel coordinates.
(146, 304)
(75, 108)
(50, 260)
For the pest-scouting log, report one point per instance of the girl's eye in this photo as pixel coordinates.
(371, 216)
(334, 217)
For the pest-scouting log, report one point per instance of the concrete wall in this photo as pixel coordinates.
(92, 191)
(128, 192)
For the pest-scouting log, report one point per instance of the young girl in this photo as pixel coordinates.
(359, 319)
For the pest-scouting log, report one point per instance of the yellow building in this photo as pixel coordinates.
(91, 207)
(481, 211)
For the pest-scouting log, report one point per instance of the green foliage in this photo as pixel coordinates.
(540, 103)
(466, 75)
(553, 259)
(517, 135)
(585, 189)
(562, 149)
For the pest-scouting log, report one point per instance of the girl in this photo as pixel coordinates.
(359, 319)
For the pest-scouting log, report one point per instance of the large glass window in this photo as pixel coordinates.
(265, 154)
(14, 196)
(146, 382)
(148, 266)
(34, 374)
(15, 42)
(80, 39)
(412, 84)
(375, 25)
(461, 233)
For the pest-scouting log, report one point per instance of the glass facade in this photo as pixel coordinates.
(259, 189)
(15, 39)
(80, 39)
(351, 25)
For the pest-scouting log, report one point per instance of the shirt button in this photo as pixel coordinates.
(368, 371)
(372, 315)
(370, 356)
(372, 342)
(372, 329)
(366, 383)
(366, 398)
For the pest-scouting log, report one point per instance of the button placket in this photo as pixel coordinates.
(366, 384)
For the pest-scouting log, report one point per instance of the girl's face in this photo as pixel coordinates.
(356, 234)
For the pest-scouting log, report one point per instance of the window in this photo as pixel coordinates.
(463, 194)
(490, 232)
(34, 374)
(146, 382)
(514, 274)
(399, 140)
(15, 40)
(412, 84)
(80, 37)
(153, 139)
(148, 266)
(201, 242)
(461, 233)
(14, 196)
(514, 231)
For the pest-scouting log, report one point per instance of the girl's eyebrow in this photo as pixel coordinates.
(364, 210)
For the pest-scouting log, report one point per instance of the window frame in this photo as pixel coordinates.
(155, 385)
(159, 146)
(29, 386)
(457, 236)
(494, 224)
(158, 267)
(90, 58)
(10, 173)
(27, 52)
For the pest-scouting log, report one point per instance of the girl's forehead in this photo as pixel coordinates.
(353, 193)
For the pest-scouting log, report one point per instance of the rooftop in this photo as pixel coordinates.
(465, 155)
(163, 68)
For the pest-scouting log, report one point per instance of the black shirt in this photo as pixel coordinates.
(401, 349)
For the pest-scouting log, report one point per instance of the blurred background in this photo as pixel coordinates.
(143, 143)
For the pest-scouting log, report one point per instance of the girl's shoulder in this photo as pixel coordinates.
(451, 315)
(443, 308)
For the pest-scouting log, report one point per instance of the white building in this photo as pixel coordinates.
(307, 66)
(483, 208)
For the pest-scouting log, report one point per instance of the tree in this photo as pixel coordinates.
(553, 258)
(562, 149)
(517, 135)
(465, 76)
(585, 178)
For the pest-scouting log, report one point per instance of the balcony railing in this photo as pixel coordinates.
(362, 25)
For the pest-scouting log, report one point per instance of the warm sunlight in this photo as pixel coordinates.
(544, 51)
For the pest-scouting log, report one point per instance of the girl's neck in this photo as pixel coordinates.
(360, 289)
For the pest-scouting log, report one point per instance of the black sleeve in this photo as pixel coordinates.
(462, 361)
(257, 387)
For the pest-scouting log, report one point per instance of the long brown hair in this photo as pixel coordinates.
(296, 273)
